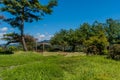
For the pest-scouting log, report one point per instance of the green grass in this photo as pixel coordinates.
(73, 66)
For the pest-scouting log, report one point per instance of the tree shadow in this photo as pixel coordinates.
(7, 52)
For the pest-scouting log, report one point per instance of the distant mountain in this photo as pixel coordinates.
(2, 45)
(12, 44)
(16, 44)
(44, 41)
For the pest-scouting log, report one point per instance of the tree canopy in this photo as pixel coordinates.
(94, 37)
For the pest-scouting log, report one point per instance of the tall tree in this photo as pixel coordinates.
(72, 39)
(112, 28)
(60, 39)
(97, 28)
(84, 32)
(25, 11)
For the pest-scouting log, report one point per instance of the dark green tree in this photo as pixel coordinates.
(85, 29)
(25, 11)
(83, 33)
(60, 39)
(112, 28)
(96, 28)
(72, 39)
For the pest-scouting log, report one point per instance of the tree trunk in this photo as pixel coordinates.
(63, 48)
(43, 47)
(22, 33)
(24, 44)
(22, 38)
(73, 48)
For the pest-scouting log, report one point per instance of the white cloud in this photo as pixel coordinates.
(42, 37)
(50, 36)
(1, 35)
(4, 29)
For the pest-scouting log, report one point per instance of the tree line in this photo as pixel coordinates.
(93, 38)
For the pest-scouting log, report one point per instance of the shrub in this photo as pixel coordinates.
(115, 52)
(1, 49)
(79, 48)
(97, 44)
(6, 52)
(92, 50)
(105, 51)
(12, 48)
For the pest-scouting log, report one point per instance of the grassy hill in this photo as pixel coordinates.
(73, 66)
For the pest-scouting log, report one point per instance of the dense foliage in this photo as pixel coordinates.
(115, 52)
(91, 38)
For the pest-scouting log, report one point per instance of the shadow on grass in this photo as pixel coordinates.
(7, 52)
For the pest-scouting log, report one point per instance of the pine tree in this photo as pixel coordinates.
(25, 11)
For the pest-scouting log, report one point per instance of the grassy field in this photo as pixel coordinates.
(57, 66)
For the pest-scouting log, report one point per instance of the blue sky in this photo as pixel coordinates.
(70, 14)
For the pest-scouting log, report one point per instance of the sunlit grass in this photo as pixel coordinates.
(56, 66)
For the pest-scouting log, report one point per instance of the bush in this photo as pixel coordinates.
(97, 44)
(12, 48)
(6, 52)
(92, 50)
(115, 52)
(1, 49)
(105, 51)
(79, 48)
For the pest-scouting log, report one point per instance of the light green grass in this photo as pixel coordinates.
(73, 66)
